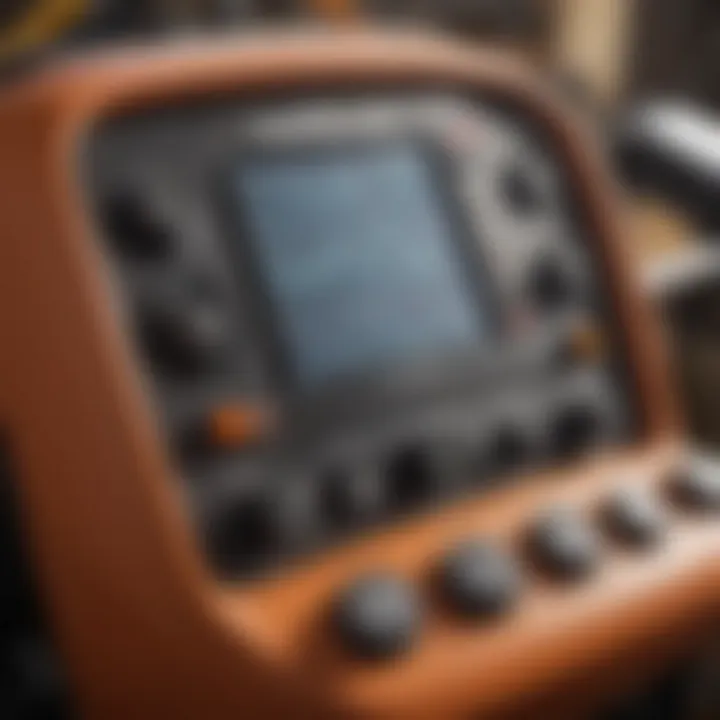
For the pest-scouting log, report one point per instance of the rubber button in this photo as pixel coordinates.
(479, 580)
(378, 617)
(635, 517)
(697, 488)
(564, 545)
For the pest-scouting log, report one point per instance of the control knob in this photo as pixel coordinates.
(379, 616)
(185, 337)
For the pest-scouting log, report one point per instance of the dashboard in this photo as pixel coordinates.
(333, 391)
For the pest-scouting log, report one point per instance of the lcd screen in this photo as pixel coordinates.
(358, 258)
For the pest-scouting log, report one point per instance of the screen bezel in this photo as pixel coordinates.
(404, 378)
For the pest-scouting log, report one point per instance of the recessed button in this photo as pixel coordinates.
(635, 517)
(575, 429)
(134, 229)
(185, 337)
(520, 192)
(696, 487)
(253, 531)
(420, 472)
(378, 616)
(564, 545)
(478, 580)
(550, 285)
(241, 536)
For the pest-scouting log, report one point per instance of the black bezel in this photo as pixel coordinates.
(398, 383)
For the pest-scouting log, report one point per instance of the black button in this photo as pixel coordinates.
(564, 545)
(575, 429)
(505, 449)
(696, 487)
(134, 229)
(251, 532)
(240, 536)
(353, 496)
(519, 192)
(635, 517)
(478, 580)
(550, 284)
(378, 617)
(421, 472)
(185, 337)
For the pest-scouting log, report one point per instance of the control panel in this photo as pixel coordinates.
(331, 393)
(352, 308)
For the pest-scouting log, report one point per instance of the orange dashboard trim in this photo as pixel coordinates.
(145, 629)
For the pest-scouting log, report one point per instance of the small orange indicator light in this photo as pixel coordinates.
(232, 426)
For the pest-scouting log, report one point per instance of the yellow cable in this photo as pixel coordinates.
(42, 23)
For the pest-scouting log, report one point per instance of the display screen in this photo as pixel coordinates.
(358, 258)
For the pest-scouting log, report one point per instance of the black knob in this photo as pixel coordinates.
(696, 487)
(240, 536)
(507, 448)
(135, 230)
(420, 472)
(253, 531)
(185, 337)
(575, 429)
(479, 580)
(378, 616)
(519, 191)
(353, 496)
(564, 545)
(550, 284)
(635, 517)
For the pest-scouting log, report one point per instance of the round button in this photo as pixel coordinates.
(134, 229)
(576, 429)
(563, 545)
(252, 531)
(696, 487)
(478, 580)
(185, 338)
(519, 191)
(378, 616)
(506, 449)
(550, 285)
(420, 472)
(635, 517)
(240, 536)
(353, 496)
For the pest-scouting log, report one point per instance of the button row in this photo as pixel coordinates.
(381, 615)
(343, 498)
